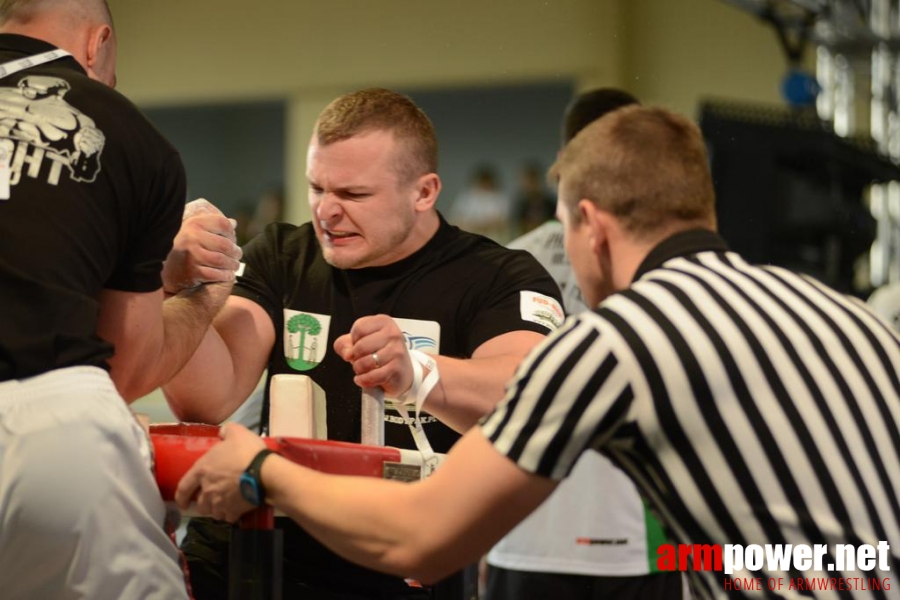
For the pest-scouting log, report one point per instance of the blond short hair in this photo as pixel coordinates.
(647, 166)
(375, 109)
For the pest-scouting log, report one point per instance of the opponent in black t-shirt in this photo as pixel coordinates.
(91, 197)
(95, 198)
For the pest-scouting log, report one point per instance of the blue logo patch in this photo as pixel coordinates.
(419, 342)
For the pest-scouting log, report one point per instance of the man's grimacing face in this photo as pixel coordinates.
(363, 210)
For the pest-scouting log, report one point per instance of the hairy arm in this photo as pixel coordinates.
(478, 493)
(154, 339)
(226, 366)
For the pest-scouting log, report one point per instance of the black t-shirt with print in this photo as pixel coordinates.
(95, 200)
(465, 285)
(457, 292)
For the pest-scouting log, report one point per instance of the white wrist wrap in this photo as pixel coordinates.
(421, 386)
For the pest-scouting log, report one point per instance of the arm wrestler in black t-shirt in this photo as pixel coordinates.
(343, 299)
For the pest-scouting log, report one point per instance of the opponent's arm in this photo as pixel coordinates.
(226, 366)
(153, 339)
(222, 372)
(424, 530)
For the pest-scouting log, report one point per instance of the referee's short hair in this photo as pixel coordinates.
(645, 165)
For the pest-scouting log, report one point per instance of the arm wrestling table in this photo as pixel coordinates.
(255, 554)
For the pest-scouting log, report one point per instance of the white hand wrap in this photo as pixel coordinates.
(421, 386)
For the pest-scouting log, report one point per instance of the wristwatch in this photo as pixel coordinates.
(251, 486)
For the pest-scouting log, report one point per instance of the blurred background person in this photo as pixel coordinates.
(483, 208)
(534, 204)
(269, 209)
(885, 302)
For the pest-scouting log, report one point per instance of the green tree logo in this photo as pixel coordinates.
(305, 325)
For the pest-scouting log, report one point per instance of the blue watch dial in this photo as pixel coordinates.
(249, 487)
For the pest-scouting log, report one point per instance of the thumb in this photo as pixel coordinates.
(343, 345)
(225, 430)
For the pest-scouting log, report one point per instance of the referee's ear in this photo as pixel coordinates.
(596, 222)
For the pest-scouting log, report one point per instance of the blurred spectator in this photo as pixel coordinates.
(243, 214)
(483, 208)
(269, 209)
(534, 204)
(591, 105)
(885, 302)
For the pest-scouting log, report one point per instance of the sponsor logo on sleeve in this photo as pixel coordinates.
(541, 309)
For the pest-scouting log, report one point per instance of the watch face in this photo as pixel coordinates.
(249, 489)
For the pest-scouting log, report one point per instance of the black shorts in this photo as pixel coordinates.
(506, 584)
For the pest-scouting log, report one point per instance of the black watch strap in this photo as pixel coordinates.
(253, 471)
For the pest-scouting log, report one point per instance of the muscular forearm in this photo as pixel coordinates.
(226, 366)
(204, 390)
(469, 389)
(424, 530)
(371, 522)
(185, 318)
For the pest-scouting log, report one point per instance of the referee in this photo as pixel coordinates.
(750, 405)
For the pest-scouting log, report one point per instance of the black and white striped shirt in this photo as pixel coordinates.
(750, 405)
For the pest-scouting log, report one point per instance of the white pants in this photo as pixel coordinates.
(80, 513)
